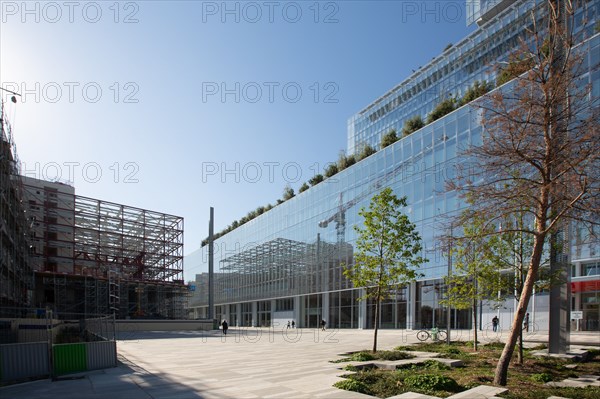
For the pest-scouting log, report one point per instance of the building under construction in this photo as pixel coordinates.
(82, 257)
(95, 257)
(16, 277)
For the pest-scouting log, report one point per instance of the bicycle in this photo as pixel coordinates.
(435, 335)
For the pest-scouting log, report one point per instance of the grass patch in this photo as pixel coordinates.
(525, 381)
(431, 383)
(353, 385)
(429, 365)
(365, 356)
(542, 377)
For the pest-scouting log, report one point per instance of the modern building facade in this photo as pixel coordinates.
(287, 263)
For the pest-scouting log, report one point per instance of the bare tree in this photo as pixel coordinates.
(541, 149)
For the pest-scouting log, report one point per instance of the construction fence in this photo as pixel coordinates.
(34, 348)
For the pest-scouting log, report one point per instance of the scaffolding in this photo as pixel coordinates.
(278, 268)
(94, 257)
(15, 272)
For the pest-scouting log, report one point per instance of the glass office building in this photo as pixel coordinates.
(287, 263)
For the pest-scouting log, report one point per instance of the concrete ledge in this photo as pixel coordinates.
(482, 391)
(164, 325)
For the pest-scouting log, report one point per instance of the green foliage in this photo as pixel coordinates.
(406, 348)
(393, 355)
(350, 367)
(389, 138)
(474, 92)
(411, 125)
(387, 249)
(303, 187)
(431, 365)
(476, 276)
(345, 161)
(342, 360)
(362, 356)
(541, 377)
(288, 193)
(444, 108)
(331, 170)
(515, 67)
(352, 385)
(366, 151)
(316, 179)
(431, 382)
(495, 345)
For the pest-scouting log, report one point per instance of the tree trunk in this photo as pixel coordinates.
(475, 324)
(509, 347)
(376, 321)
(521, 346)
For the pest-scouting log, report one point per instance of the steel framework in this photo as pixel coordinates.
(94, 257)
(15, 271)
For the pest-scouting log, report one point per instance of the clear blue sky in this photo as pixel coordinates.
(126, 99)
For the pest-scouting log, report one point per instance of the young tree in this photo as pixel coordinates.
(540, 153)
(476, 276)
(512, 249)
(388, 248)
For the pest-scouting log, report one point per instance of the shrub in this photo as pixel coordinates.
(541, 377)
(362, 357)
(515, 68)
(288, 193)
(431, 382)
(345, 161)
(352, 385)
(412, 125)
(331, 170)
(366, 151)
(442, 109)
(389, 138)
(393, 355)
(350, 367)
(303, 188)
(432, 365)
(316, 179)
(474, 92)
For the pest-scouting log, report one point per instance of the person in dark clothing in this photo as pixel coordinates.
(293, 324)
(323, 324)
(495, 321)
(526, 322)
(225, 326)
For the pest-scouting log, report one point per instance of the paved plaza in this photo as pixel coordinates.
(248, 363)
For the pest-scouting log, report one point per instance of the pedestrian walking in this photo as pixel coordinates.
(225, 326)
(526, 322)
(289, 324)
(293, 324)
(495, 321)
(323, 324)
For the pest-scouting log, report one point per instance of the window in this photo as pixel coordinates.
(591, 269)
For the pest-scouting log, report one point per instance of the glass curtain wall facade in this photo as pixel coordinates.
(475, 58)
(296, 252)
